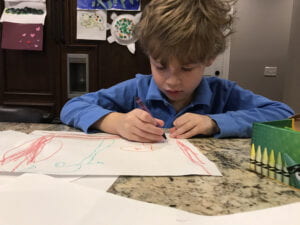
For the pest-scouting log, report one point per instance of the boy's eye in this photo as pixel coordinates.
(160, 67)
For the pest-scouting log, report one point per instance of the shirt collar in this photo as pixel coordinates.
(203, 93)
(154, 92)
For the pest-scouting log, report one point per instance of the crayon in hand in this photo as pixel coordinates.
(144, 107)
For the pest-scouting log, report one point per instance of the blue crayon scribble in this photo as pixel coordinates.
(89, 160)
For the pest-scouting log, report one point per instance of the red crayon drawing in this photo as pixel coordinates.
(136, 148)
(192, 156)
(28, 152)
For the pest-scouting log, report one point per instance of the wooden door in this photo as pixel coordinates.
(31, 78)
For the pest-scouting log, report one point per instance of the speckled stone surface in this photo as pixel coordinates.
(238, 190)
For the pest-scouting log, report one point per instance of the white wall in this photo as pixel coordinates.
(291, 93)
(261, 39)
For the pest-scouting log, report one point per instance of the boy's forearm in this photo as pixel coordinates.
(109, 123)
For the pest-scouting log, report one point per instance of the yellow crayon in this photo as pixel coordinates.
(258, 159)
(272, 164)
(278, 167)
(265, 159)
(252, 158)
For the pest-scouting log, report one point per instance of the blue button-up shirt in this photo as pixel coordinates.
(233, 108)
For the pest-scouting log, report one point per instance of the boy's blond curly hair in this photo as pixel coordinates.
(190, 31)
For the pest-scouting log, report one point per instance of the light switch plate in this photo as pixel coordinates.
(270, 71)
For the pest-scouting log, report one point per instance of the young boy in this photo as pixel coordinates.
(181, 38)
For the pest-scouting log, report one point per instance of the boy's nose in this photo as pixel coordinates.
(173, 80)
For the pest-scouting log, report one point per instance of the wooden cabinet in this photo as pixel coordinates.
(31, 78)
(39, 78)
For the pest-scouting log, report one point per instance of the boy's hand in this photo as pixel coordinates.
(136, 125)
(191, 124)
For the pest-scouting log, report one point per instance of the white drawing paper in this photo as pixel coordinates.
(97, 182)
(24, 18)
(77, 153)
(41, 199)
(6, 178)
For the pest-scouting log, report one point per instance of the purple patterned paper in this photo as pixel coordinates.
(22, 36)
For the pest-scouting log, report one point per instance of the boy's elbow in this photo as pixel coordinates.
(66, 114)
(281, 111)
(287, 111)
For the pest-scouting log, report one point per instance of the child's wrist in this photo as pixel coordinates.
(109, 123)
(215, 127)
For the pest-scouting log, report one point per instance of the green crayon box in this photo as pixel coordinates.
(275, 151)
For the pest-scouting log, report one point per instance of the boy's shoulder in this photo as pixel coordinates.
(143, 79)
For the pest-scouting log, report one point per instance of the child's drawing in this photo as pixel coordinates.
(76, 153)
(28, 152)
(91, 24)
(138, 147)
(109, 4)
(90, 20)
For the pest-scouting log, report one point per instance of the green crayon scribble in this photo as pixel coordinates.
(89, 160)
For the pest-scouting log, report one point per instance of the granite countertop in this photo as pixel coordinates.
(238, 190)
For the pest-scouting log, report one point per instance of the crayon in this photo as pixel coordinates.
(278, 167)
(265, 161)
(294, 170)
(252, 158)
(285, 174)
(272, 164)
(144, 107)
(258, 159)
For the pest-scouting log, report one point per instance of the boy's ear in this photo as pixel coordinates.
(209, 62)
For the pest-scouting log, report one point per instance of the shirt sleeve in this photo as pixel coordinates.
(83, 111)
(243, 108)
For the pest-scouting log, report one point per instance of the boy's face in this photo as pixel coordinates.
(177, 81)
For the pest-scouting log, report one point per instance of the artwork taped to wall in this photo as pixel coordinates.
(127, 5)
(26, 12)
(22, 36)
(91, 24)
(122, 30)
(23, 24)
